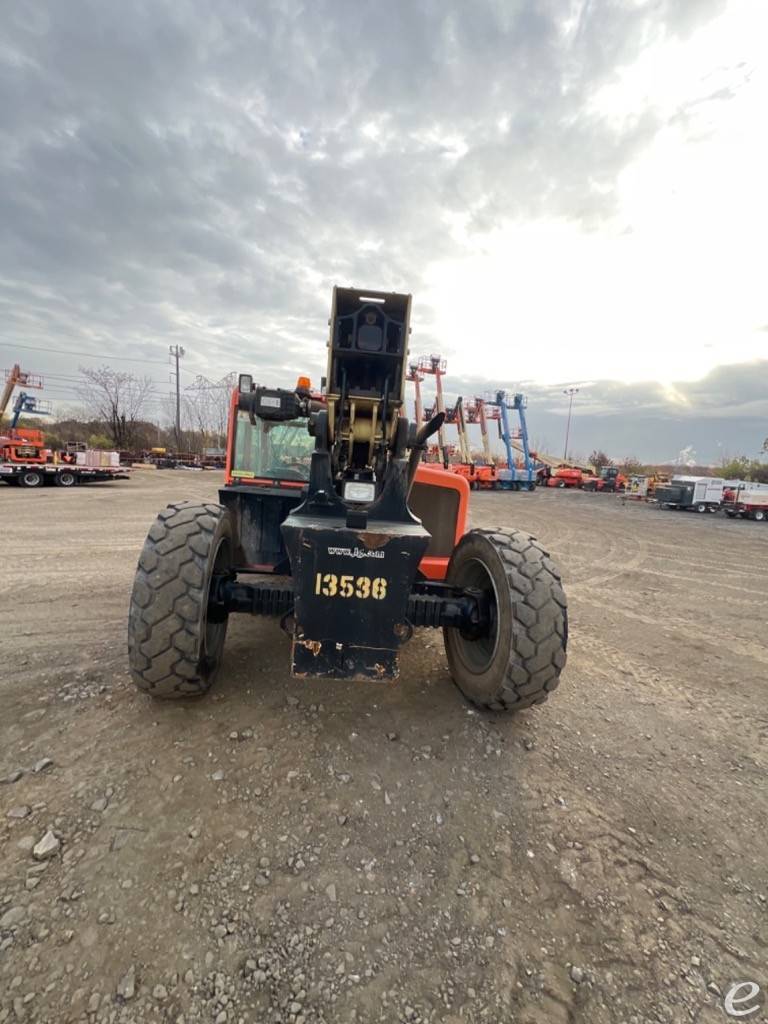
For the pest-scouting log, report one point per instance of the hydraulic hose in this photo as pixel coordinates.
(420, 444)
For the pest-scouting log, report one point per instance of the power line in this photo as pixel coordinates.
(70, 352)
(62, 393)
(89, 355)
(69, 378)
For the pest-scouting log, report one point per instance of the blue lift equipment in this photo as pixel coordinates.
(512, 478)
(28, 404)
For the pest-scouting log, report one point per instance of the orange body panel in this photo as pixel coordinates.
(231, 436)
(24, 444)
(436, 568)
(465, 469)
(483, 476)
(486, 476)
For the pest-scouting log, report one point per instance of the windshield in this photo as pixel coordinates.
(278, 450)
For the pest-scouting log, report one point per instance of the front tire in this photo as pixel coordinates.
(174, 647)
(518, 661)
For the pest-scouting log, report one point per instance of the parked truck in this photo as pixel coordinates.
(26, 462)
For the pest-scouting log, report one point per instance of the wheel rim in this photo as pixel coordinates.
(478, 652)
(32, 479)
(215, 631)
(66, 479)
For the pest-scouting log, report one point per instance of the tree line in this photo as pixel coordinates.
(116, 413)
(742, 467)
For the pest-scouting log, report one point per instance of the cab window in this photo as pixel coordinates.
(277, 450)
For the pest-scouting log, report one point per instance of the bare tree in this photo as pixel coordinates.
(598, 459)
(117, 398)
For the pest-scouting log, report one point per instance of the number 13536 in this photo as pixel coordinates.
(330, 585)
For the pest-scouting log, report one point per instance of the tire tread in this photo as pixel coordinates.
(540, 621)
(166, 620)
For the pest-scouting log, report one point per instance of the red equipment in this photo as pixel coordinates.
(20, 444)
(566, 476)
(745, 502)
(609, 479)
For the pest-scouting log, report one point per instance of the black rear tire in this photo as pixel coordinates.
(174, 648)
(518, 661)
(66, 478)
(31, 478)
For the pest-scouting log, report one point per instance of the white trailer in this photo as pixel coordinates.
(692, 493)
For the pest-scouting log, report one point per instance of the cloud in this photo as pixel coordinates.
(181, 172)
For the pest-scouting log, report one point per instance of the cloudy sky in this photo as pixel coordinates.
(573, 190)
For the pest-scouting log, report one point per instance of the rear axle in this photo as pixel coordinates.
(433, 605)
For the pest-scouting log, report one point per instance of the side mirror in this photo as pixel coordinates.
(245, 383)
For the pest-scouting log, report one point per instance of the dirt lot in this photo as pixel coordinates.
(312, 851)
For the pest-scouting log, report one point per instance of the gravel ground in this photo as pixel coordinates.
(285, 851)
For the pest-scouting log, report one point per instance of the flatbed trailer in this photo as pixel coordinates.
(37, 474)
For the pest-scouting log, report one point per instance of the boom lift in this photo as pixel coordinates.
(329, 522)
(415, 376)
(30, 405)
(480, 474)
(465, 467)
(19, 445)
(513, 478)
(13, 377)
(25, 460)
(485, 413)
(436, 366)
(460, 422)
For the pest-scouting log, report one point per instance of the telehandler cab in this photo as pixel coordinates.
(329, 521)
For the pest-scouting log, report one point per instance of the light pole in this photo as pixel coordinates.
(570, 392)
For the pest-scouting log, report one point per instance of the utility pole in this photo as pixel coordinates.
(570, 392)
(177, 352)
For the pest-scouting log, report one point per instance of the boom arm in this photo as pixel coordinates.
(367, 352)
(506, 436)
(528, 463)
(484, 431)
(461, 427)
